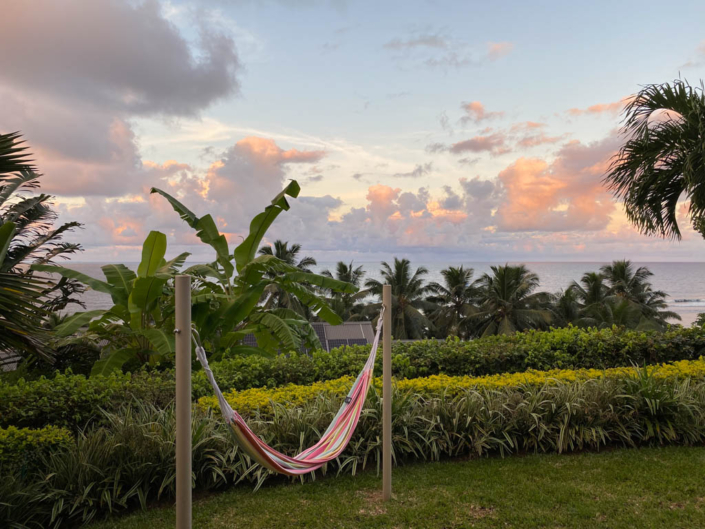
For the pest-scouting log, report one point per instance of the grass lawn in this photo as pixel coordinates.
(629, 489)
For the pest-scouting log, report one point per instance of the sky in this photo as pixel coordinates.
(438, 131)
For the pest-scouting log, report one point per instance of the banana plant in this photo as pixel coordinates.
(229, 298)
(140, 324)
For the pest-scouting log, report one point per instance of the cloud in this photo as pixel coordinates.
(493, 143)
(115, 55)
(417, 172)
(497, 50)
(422, 40)
(699, 59)
(613, 108)
(475, 113)
(564, 195)
(439, 49)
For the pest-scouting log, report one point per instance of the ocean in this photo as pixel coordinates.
(683, 282)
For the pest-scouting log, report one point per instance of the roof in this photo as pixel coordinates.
(332, 336)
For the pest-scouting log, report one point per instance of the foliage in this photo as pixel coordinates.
(509, 302)
(228, 305)
(454, 302)
(20, 446)
(265, 401)
(662, 160)
(408, 290)
(27, 236)
(619, 295)
(139, 326)
(348, 306)
(74, 400)
(131, 462)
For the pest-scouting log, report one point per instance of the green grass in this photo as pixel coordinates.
(618, 489)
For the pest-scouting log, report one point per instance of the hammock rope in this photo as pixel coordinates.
(332, 442)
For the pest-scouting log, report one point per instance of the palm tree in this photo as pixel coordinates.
(408, 290)
(509, 302)
(346, 305)
(27, 237)
(591, 290)
(625, 281)
(288, 254)
(663, 157)
(633, 285)
(566, 308)
(276, 297)
(455, 301)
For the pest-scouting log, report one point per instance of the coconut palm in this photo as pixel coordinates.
(27, 237)
(347, 305)
(277, 297)
(566, 308)
(455, 301)
(663, 158)
(408, 291)
(288, 254)
(626, 281)
(509, 302)
(632, 284)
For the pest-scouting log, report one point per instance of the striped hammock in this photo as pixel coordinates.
(332, 442)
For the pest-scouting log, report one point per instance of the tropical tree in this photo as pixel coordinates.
(662, 160)
(232, 294)
(289, 254)
(347, 305)
(139, 327)
(454, 301)
(509, 302)
(633, 285)
(27, 236)
(408, 292)
(277, 297)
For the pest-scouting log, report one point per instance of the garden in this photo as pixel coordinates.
(500, 382)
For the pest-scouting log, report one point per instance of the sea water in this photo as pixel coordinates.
(684, 283)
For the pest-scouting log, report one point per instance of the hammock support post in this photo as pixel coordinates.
(387, 394)
(182, 332)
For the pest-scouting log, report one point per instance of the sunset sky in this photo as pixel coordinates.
(440, 131)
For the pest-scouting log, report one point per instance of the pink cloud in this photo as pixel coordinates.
(564, 195)
(493, 143)
(497, 50)
(613, 108)
(475, 112)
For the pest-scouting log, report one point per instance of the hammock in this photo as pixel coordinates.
(332, 442)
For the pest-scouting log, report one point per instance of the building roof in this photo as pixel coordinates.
(332, 336)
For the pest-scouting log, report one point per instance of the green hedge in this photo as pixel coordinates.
(73, 400)
(131, 462)
(19, 446)
(565, 348)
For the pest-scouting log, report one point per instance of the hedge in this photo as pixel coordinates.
(20, 446)
(263, 401)
(565, 348)
(130, 463)
(73, 400)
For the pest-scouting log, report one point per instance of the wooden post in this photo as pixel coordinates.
(183, 401)
(387, 394)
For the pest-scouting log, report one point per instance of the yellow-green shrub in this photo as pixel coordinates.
(24, 444)
(247, 401)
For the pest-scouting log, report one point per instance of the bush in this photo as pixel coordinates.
(23, 446)
(73, 401)
(264, 401)
(565, 348)
(130, 462)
